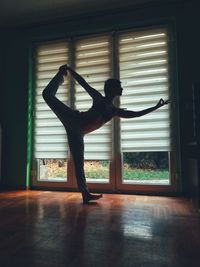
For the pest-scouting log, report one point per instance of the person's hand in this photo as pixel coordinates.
(161, 103)
(63, 70)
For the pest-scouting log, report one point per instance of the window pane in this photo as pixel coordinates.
(146, 168)
(93, 62)
(49, 134)
(52, 170)
(143, 58)
(97, 171)
(144, 72)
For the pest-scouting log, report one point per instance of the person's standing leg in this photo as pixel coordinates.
(76, 145)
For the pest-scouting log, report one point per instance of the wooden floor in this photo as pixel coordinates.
(53, 229)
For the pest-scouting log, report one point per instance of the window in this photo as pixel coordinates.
(50, 140)
(143, 68)
(143, 61)
(93, 61)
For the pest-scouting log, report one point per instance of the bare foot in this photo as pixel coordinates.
(63, 70)
(90, 197)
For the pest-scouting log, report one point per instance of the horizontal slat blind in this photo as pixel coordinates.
(93, 62)
(50, 136)
(143, 58)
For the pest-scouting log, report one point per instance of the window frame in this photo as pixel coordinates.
(115, 180)
(174, 156)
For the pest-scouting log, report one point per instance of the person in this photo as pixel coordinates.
(77, 124)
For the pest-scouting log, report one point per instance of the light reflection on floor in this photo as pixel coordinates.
(138, 231)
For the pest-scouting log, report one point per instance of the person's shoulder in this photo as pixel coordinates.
(98, 97)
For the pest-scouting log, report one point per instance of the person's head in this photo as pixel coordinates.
(112, 87)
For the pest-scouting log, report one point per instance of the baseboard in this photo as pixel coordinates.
(12, 187)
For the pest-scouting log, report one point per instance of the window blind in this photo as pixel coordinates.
(50, 137)
(93, 62)
(143, 62)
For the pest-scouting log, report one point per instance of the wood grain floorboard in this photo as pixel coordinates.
(54, 229)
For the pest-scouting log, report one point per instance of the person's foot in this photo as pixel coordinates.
(63, 70)
(90, 197)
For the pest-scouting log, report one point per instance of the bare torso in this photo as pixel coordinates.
(91, 122)
(100, 113)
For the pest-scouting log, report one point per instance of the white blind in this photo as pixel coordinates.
(50, 136)
(93, 62)
(143, 57)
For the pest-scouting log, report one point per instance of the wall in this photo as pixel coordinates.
(14, 108)
(188, 54)
(14, 77)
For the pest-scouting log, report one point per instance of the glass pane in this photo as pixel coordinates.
(146, 168)
(97, 171)
(52, 170)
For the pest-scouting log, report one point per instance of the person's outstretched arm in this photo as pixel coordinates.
(132, 114)
(90, 90)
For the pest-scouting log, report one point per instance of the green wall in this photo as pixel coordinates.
(14, 73)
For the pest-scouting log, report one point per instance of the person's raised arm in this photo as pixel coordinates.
(90, 90)
(132, 114)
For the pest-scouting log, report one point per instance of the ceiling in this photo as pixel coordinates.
(20, 12)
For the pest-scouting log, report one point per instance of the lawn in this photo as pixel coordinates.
(132, 174)
(140, 174)
(100, 170)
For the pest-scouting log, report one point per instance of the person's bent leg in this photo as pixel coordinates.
(64, 113)
(52, 87)
(76, 145)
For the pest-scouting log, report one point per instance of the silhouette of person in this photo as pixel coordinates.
(77, 123)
